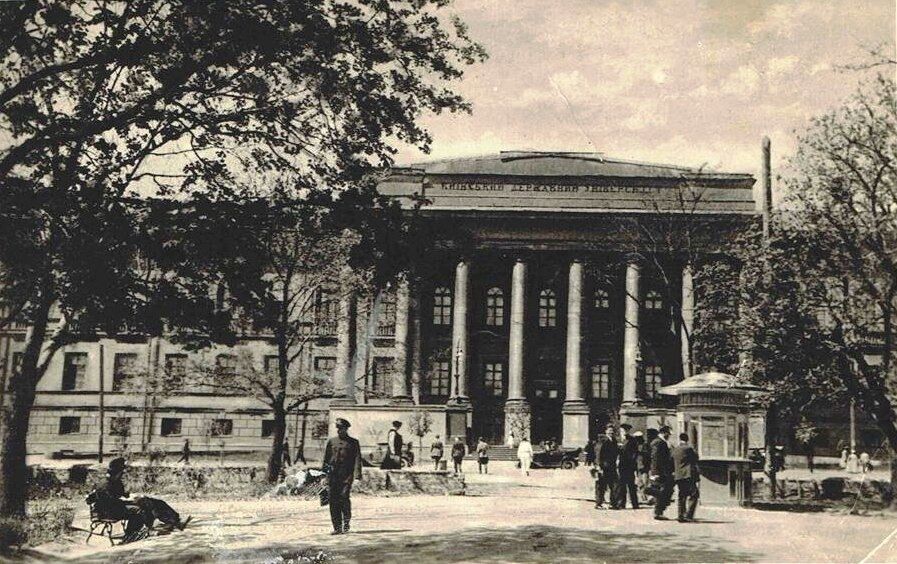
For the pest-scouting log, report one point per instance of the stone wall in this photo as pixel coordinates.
(828, 489)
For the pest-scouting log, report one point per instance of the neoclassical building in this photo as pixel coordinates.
(559, 297)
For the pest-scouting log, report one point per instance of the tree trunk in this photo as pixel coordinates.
(22, 389)
(275, 460)
(771, 438)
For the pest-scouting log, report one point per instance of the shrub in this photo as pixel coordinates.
(49, 519)
(13, 533)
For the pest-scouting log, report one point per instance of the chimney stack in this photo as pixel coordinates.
(766, 185)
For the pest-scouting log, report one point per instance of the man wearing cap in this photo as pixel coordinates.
(629, 456)
(393, 458)
(342, 461)
(607, 455)
(662, 471)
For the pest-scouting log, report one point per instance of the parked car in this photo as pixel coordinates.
(566, 458)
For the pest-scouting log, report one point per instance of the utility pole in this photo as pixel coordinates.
(102, 403)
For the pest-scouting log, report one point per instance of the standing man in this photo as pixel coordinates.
(459, 451)
(629, 458)
(687, 476)
(393, 458)
(286, 452)
(342, 462)
(436, 452)
(661, 472)
(525, 455)
(607, 455)
(185, 452)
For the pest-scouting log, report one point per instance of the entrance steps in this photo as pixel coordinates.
(496, 452)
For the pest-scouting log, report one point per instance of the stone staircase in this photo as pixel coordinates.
(496, 452)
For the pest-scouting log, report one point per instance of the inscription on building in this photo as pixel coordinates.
(492, 188)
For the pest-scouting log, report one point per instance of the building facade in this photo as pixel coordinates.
(559, 298)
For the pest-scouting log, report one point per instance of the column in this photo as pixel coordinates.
(688, 320)
(459, 335)
(631, 334)
(344, 379)
(400, 381)
(416, 341)
(517, 414)
(575, 410)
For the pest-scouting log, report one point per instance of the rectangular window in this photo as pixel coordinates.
(17, 359)
(601, 381)
(325, 366)
(124, 370)
(69, 425)
(386, 319)
(495, 307)
(653, 381)
(437, 383)
(221, 428)
(120, 426)
(548, 309)
(267, 428)
(493, 378)
(653, 300)
(272, 364)
(226, 365)
(176, 366)
(382, 373)
(326, 305)
(74, 371)
(442, 306)
(171, 426)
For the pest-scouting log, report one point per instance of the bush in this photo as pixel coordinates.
(49, 519)
(13, 533)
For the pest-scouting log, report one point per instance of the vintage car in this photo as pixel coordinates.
(566, 458)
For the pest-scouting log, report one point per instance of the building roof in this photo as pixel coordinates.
(708, 382)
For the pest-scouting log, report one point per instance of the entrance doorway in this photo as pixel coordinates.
(489, 422)
(546, 411)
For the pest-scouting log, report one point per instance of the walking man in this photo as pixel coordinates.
(629, 459)
(687, 476)
(342, 461)
(607, 455)
(185, 452)
(482, 456)
(661, 478)
(436, 451)
(459, 451)
(525, 455)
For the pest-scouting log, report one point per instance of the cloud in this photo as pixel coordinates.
(781, 65)
(742, 82)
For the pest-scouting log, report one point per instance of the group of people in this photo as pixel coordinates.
(624, 464)
(457, 453)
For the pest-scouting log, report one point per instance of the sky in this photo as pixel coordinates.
(686, 82)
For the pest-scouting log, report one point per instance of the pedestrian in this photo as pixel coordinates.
(512, 440)
(606, 461)
(687, 476)
(409, 454)
(185, 452)
(436, 452)
(525, 455)
(483, 456)
(661, 474)
(865, 462)
(286, 452)
(644, 463)
(459, 451)
(853, 463)
(393, 458)
(590, 452)
(342, 462)
(628, 466)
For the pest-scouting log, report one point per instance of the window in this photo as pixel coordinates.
(267, 428)
(120, 426)
(653, 381)
(548, 309)
(442, 306)
(601, 381)
(653, 300)
(226, 365)
(493, 379)
(271, 364)
(495, 307)
(171, 426)
(326, 306)
(325, 366)
(437, 383)
(381, 375)
(176, 366)
(74, 371)
(124, 369)
(17, 358)
(602, 298)
(386, 316)
(69, 425)
(221, 428)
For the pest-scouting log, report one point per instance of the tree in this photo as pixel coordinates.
(99, 100)
(823, 289)
(420, 423)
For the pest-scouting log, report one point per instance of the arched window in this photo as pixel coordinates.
(495, 307)
(442, 306)
(653, 380)
(548, 308)
(653, 300)
(602, 298)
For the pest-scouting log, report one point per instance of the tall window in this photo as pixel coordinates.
(437, 382)
(601, 381)
(226, 365)
(326, 305)
(602, 298)
(386, 319)
(272, 364)
(653, 380)
(325, 366)
(653, 300)
(17, 359)
(381, 374)
(176, 366)
(124, 369)
(442, 306)
(493, 380)
(74, 371)
(548, 308)
(495, 307)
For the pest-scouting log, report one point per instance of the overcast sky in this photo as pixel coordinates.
(684, 82)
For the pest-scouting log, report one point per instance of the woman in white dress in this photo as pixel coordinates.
(525, 455)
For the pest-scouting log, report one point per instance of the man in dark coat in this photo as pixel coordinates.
(661, 474)
(629, 459)
(342, 461)
(393, 458)
(606, 461)
(687, 475)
